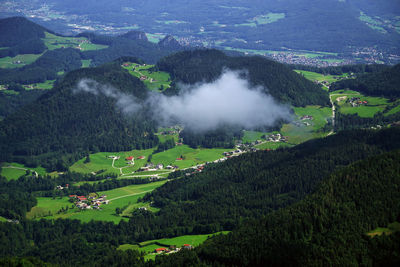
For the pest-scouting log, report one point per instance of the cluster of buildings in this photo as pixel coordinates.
(82, 202)
(355, 102)
(276, 138)
(172, 248)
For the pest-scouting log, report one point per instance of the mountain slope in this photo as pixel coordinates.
(327, 228)
(280, 81)
(384, 83)
(16, 30)
(68, 122)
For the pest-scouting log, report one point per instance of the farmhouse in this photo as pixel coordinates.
(160, 250)
(129, 158)
(179, 159)
(307, 117)
(140, 157)
(187, 246)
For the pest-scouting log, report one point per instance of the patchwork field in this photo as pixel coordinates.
(392, 228)
(367, 109)
(53, 42)
(148, 247)
(154, 80)
(300, 130)
(18, 61)
(124, 198)
(14, 170)
(324, 80)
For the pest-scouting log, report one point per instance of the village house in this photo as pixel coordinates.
(160, 250)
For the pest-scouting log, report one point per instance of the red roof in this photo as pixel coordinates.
(161, 249)
(179, 159)
(141, 157)
(129, 158)
(72, 195)
(187, 245)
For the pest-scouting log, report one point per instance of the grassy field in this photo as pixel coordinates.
(318, 77)
(53, 42)
(148, 247)
(374, 105)
(251, 136)
(86, 63)
(392, 228)
(394, 108)
(298, 131)
(8, 62)
(41, 86)
(269, 18)
(154, 38)
(100, 161)
(13, 173)
(156, 81)
(272, 145)
(191, 156)
(2, 219)
(127, 197)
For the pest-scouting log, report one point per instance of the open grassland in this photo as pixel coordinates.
(18, 61)
(14, 170)
(300, 131)
(314, 76)
(2, 219)
(148, 247)
(154, 37)
(392, 228)
(393, 108)
(268, 18)
(86, 63)
(366, 110)
(154, 80)
(190, 155)
(11, 173)
(102, 161)
(123, 198)
(82, 43)
(40, 86)
(251, 136)
(272, 145)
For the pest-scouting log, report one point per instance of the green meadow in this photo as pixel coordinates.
(251, 136)
(124, 198)
(54, 42)
(154, 80)
(148, 247)
(391, 228)
(25, 59)
(190, 155)
(368, 110)
(14, 170)
(302, 130)
(269, 18)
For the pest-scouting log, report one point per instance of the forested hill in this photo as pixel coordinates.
(16, 30)
(328, 228)
(384, 83)
(255, 184)
(63, 122)
(277, 79)
(21, 36)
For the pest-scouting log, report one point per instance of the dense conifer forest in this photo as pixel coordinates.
(311, 204)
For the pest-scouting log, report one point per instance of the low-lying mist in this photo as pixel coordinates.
(230, 100)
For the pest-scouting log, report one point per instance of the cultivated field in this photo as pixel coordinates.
(154, 80)
(11, 62)
(124, 198)
(53, 42)
(148, 247)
